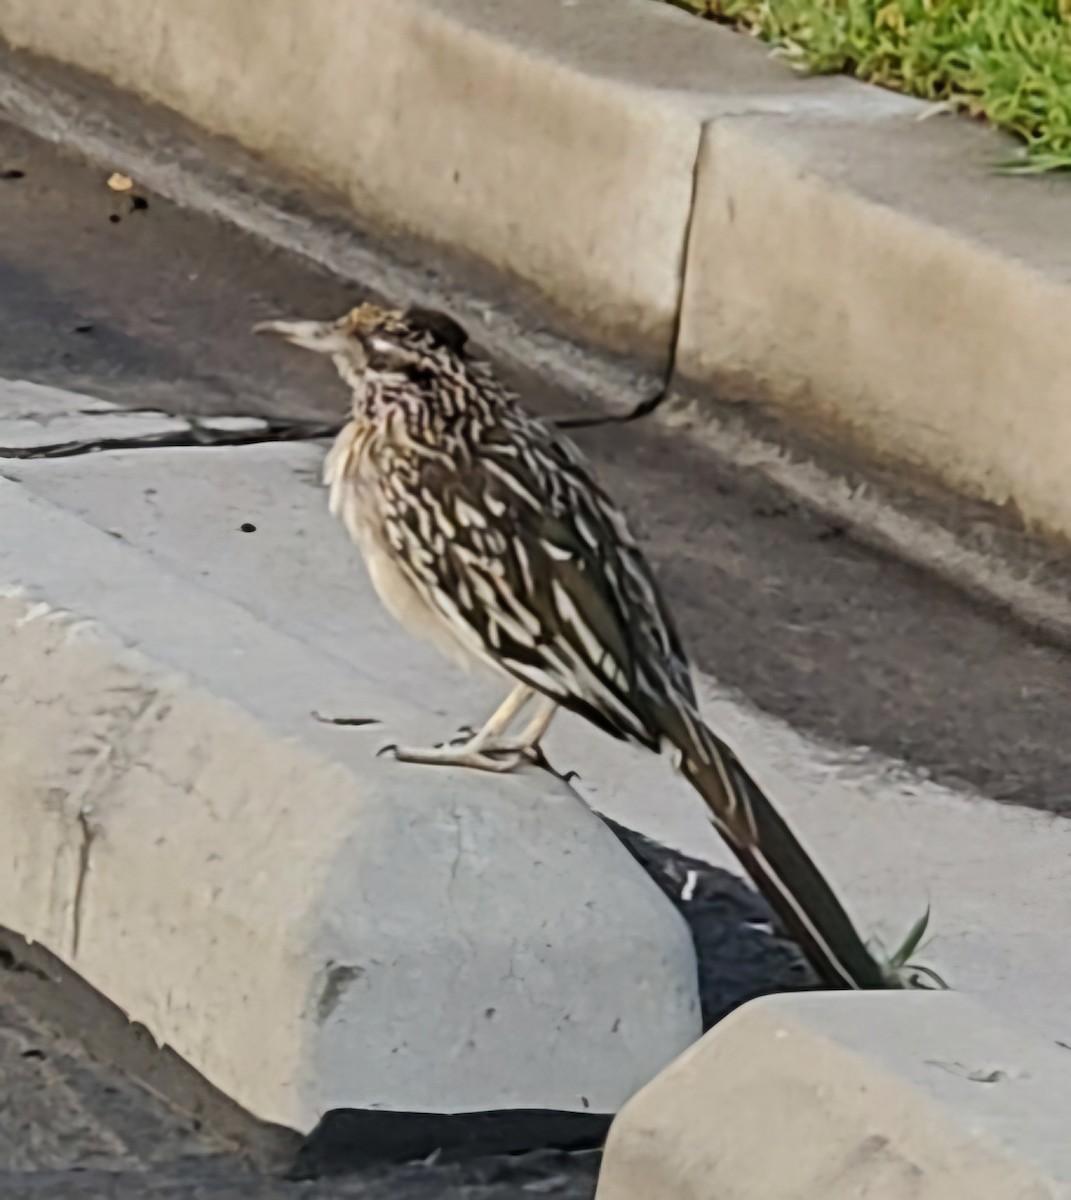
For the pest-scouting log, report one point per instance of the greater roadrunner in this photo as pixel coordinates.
(485, 532)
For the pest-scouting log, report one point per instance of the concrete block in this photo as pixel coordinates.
(877, 280)
(310, 926)
(906, 1096)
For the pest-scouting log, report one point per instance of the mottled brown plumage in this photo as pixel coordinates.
(485, 532)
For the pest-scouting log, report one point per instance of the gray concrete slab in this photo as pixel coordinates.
(235, 875)
(892, 842)
(907, 1097)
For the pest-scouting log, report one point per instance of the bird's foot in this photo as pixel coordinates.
(463, 755)
(512, 746)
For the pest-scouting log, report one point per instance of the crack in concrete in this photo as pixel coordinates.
(88, 837)
(196, 434)
(457, 812)
(459, 852)
(199, 436)
(653, 402)
(90, 782)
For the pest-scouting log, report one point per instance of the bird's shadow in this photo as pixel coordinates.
(742, 951)
(740, 948)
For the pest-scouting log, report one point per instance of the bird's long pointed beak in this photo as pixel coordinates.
(322, 337)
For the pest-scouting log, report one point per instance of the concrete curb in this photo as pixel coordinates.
(308, 925)
(818, 249)
(873, 276)
(911, 1097)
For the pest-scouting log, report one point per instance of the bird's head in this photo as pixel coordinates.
(370, 338)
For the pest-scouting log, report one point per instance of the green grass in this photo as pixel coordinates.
(1006, 60)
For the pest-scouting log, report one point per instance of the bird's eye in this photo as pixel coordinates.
(386, 354)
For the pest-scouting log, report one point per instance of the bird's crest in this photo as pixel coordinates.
(365, 317)
(401, 326)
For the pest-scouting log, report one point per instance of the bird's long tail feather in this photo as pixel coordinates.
(778, 865)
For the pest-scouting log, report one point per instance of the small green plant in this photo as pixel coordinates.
(1006, 60)
(903, 973)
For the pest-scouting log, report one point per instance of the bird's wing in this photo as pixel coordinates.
(522, 553)
(534, 568)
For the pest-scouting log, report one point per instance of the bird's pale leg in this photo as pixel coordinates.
(478, 751)
(531, 735)
(499, 721)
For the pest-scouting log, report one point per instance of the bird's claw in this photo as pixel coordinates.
(464, 735)
(388, 749)
(536, 755)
